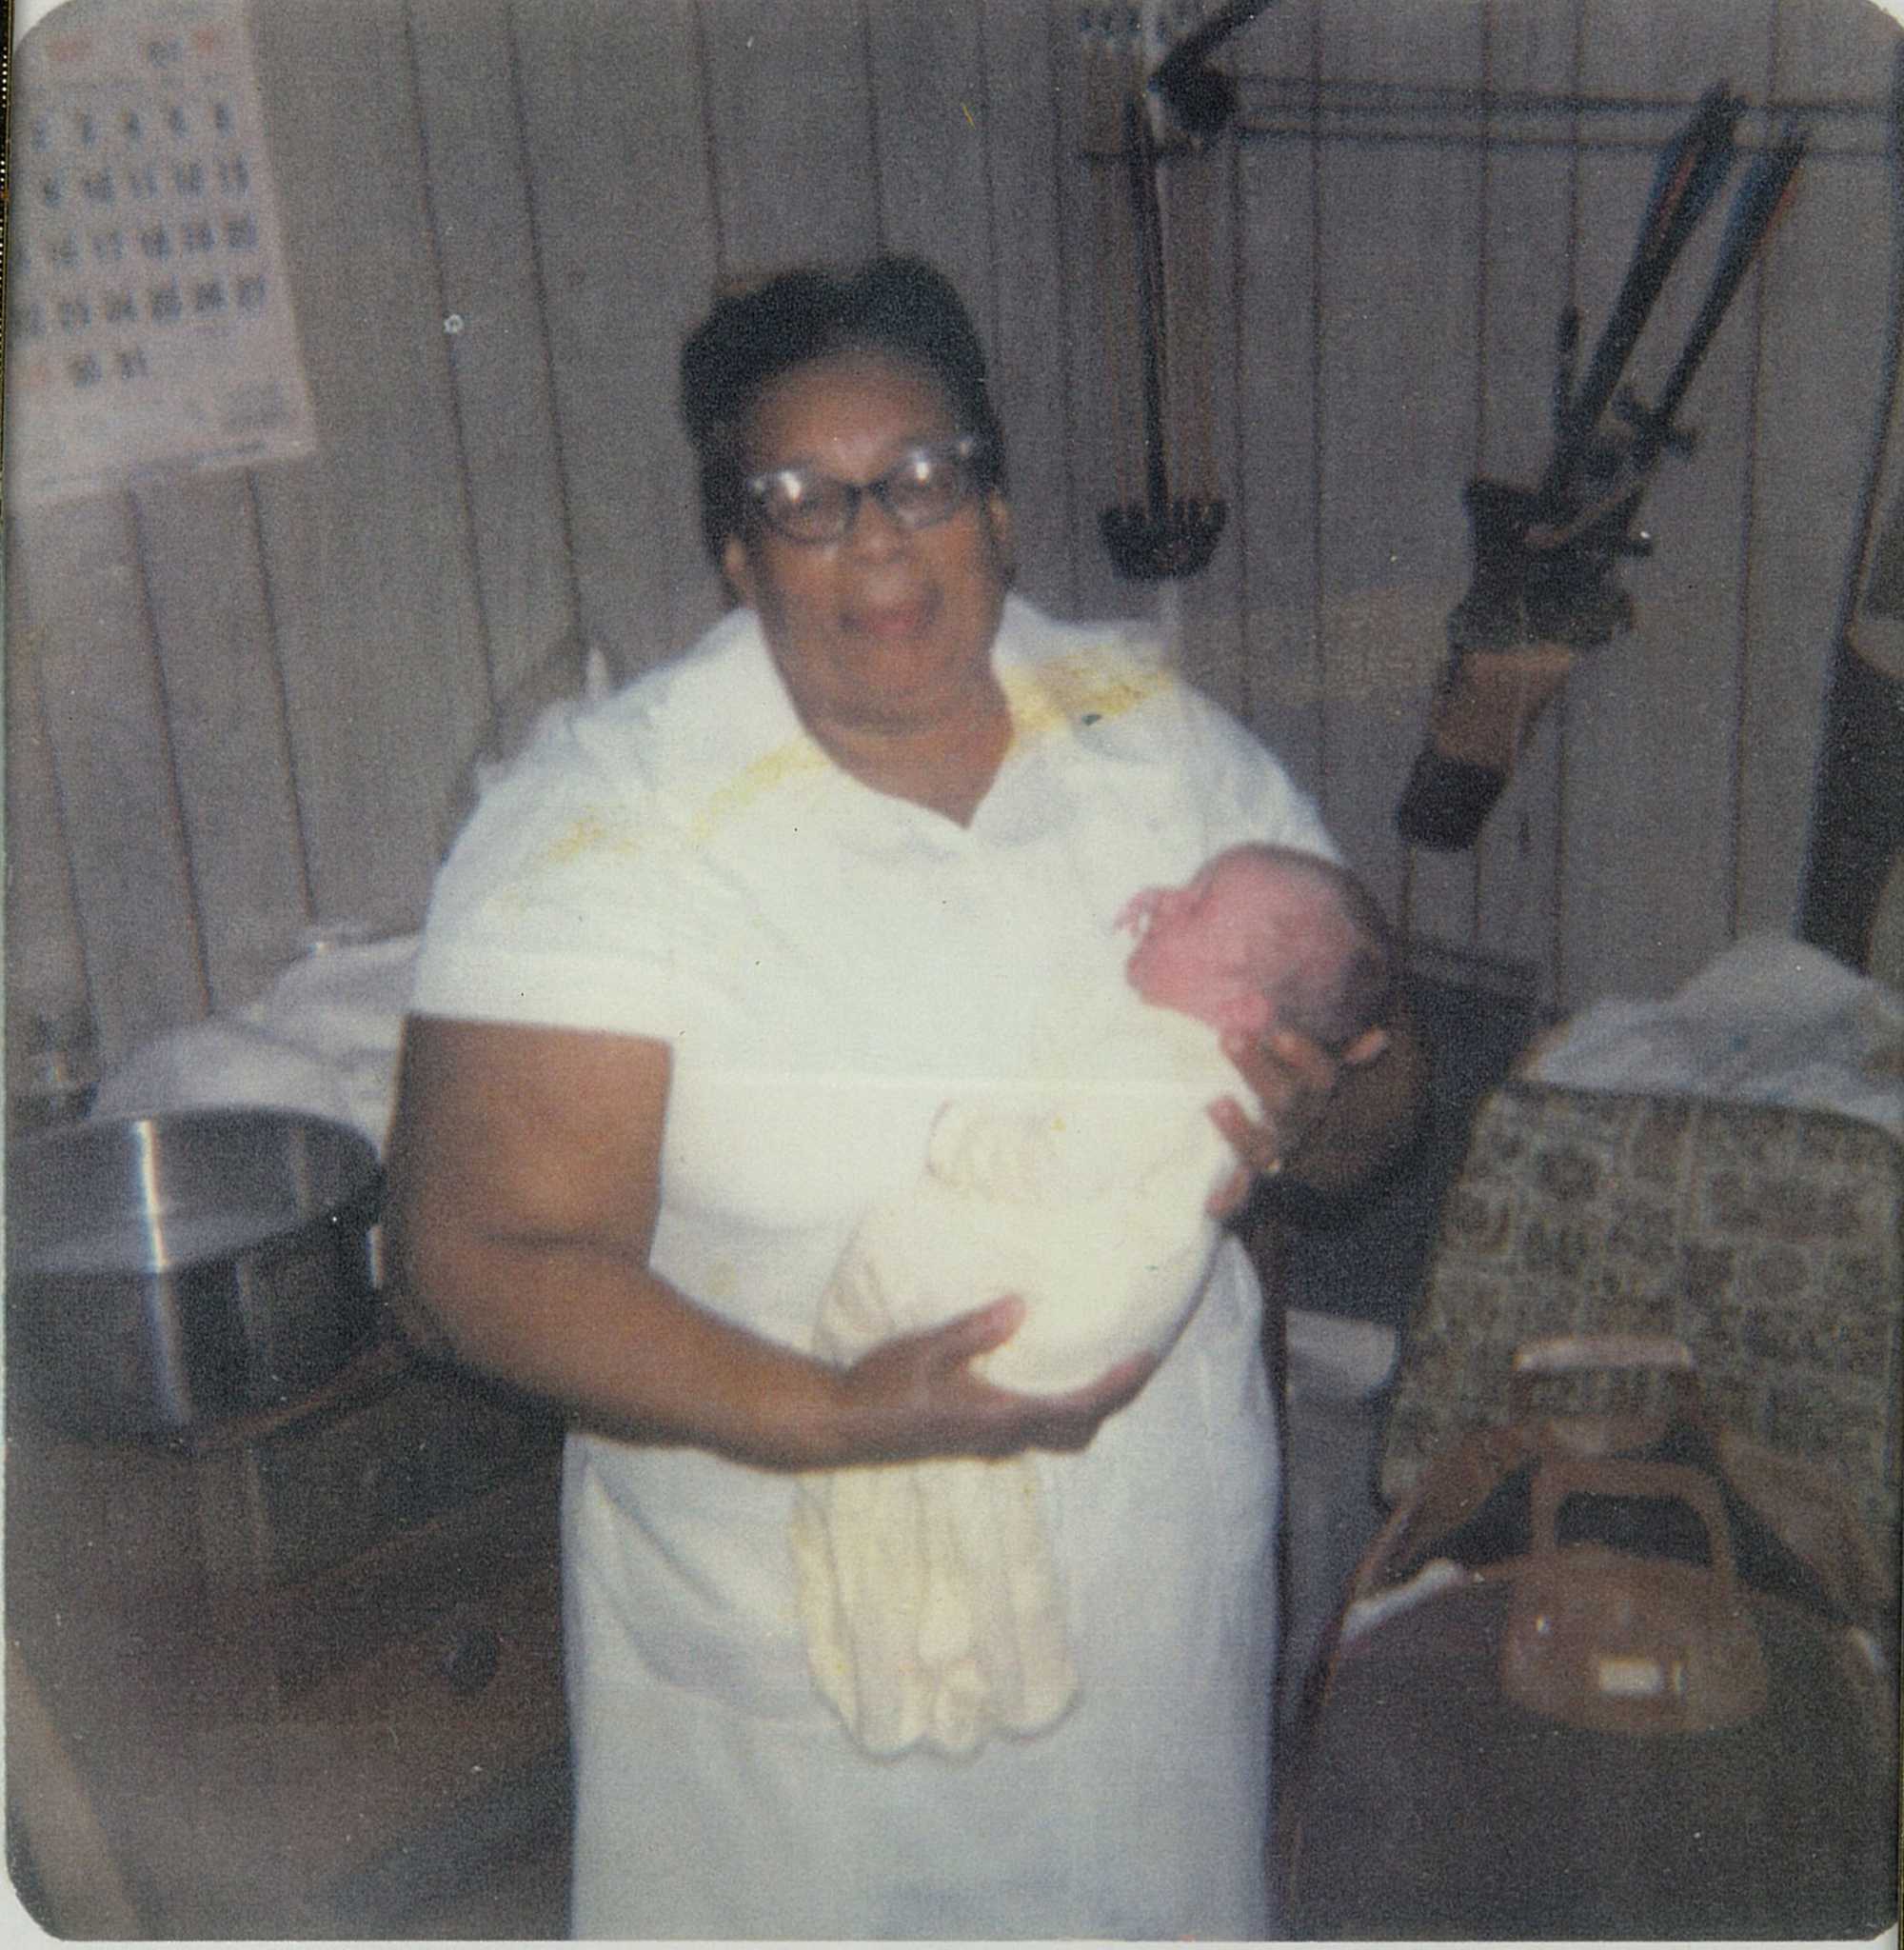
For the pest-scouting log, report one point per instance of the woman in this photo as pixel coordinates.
(694, 982)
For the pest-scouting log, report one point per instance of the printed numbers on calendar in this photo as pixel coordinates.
(146, 300)
(182, 178)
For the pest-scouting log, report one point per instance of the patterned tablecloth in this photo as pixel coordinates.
(1765, 1237)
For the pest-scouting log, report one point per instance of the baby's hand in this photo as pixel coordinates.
(1136, 913)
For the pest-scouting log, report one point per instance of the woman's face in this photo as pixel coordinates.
(887, 629)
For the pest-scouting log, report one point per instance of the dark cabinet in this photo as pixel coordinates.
(299, 1677)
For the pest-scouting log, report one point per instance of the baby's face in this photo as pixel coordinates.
(1195, 946)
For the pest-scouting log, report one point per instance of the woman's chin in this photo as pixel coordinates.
(896, 686)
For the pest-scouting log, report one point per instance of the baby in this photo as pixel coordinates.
(929, 1593)
(1263, 938)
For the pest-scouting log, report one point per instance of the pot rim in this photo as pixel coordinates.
(356, 1206)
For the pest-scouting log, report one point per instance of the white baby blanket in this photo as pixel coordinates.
(929, 1593)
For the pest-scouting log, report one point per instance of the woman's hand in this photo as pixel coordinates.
(918, 1395)
(1296, 1082)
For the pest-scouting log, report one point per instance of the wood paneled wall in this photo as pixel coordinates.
(241, 703)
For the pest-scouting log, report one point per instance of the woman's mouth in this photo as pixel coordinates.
(891, 621)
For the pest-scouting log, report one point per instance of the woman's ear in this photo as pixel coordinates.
(736, 571)
(999, 516)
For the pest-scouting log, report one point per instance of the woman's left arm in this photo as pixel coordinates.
(1328, 1121)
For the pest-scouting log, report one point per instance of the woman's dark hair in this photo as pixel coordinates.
(901, 306)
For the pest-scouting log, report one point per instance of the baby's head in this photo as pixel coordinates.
(1265, 938)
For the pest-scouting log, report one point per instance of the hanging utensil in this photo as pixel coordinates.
(1202, 99)
(1164, 535)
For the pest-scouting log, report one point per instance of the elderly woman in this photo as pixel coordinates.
(695, 981)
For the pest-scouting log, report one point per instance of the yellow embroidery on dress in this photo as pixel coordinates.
(589, 832)
(592, 832)
(773, 768)
(1081, 688)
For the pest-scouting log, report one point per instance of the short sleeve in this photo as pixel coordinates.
(568, 901)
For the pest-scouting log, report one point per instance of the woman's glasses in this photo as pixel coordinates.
(930, 484)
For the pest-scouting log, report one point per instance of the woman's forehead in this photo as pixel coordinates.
(855, 397)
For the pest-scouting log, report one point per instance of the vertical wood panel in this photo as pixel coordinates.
(1277, 419)
(792, 125)
(1824, 328)
(1199, 216)
(1399, 233)
(1032, 359)
(1825, 325)
(367, 547)
(1093, 72)
(45, 961)
(1526, 266)
(624, 213)
(499, 356)
(78, 596)
(926, 91)
(224, 696)
(1652, 719)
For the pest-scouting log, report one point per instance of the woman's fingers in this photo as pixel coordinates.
(936, 1406)
(1069, 1422)
(964, 1339)
(1007, 1423)
(1282, 1068)
(1227, 1200)
(1292, 1079)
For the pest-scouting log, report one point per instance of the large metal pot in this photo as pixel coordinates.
(165, 1272)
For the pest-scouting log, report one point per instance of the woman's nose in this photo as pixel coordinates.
(873, 530)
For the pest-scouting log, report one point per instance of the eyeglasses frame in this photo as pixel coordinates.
(967, 449)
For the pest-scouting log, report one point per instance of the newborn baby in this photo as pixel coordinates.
(928, 1591)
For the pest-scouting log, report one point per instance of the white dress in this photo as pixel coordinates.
(829, 966)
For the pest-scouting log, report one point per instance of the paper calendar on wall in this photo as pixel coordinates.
(150, 323)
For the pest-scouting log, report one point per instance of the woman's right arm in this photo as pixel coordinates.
(525, 1173)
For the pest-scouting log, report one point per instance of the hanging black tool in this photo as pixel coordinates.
(1164, 535)
(1544, 584)
(1200, 99)
(1169, 534)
